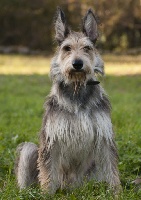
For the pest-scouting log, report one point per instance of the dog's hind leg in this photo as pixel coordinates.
(26, 164)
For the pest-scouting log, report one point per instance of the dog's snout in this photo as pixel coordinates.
(77, 64)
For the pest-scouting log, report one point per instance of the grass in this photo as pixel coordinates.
(20, 64)
(24, 84)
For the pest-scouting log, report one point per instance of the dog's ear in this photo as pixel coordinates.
(90, 27)
(61, 28)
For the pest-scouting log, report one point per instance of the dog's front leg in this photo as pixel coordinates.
(47, 171)
(107, 165)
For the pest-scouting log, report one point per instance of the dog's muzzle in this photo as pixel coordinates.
(78, 74)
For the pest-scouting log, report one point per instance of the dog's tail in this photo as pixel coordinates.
(26, 164)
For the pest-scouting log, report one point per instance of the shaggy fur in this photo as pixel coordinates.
(76, 139)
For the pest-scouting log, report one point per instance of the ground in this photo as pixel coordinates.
(24, 84)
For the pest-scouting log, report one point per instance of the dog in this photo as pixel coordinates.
(76, 141)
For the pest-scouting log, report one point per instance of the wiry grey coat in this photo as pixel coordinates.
(76, 139)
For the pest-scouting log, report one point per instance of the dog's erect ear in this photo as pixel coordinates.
(90, 27)
(61, 27)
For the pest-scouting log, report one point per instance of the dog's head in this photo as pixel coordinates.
(77, 60)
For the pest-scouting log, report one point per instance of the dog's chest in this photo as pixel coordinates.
(71, 131)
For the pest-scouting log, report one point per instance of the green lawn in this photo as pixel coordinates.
(21, 109)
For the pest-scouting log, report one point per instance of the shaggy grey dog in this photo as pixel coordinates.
(76, 139)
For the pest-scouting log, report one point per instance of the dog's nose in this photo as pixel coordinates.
(77, 64)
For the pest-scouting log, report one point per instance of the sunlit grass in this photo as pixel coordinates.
(23, 64)
(122, 64)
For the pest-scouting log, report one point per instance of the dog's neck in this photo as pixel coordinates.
(89, 97)
(76, 91)
(78, 95)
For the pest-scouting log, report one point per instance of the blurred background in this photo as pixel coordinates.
(26, 26)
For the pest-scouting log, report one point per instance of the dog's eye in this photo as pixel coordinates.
(87, 48)
(67, 48)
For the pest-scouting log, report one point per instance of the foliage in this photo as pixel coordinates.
(30, 23)
(21, 110)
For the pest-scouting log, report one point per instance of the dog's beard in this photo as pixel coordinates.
(77, 79)
(77, 76)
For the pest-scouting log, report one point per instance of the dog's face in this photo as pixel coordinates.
(77, 58)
